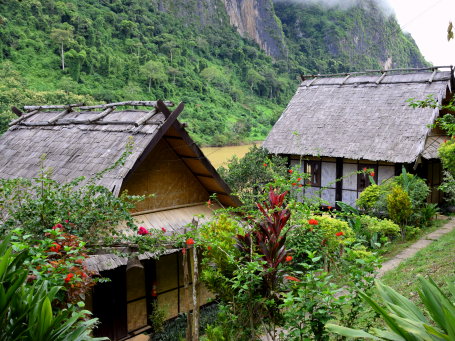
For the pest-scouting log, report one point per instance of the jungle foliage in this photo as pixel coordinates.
(103, 51)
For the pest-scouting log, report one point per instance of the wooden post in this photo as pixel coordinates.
(195, 295)
(186, 301)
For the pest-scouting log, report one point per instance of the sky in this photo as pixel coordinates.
(427, 21)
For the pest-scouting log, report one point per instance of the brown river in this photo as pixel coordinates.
(219, 156)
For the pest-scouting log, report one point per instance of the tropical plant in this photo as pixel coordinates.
(25, 305)
(405, 320)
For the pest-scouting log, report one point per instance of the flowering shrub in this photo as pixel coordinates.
(57, 258)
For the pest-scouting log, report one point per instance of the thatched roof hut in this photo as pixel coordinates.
(80, 140)
(363, 116)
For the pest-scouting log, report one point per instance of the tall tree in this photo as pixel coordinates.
(62, 37)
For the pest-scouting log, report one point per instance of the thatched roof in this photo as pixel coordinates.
(80, 140)
(360, 116)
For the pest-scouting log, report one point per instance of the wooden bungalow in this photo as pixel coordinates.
(336, 125)
(82, 140)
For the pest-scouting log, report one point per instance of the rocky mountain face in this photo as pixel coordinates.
(321, 37)
(256, 19)
(253, 19)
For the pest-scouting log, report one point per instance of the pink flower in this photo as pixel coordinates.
(67, 221)
(142, 231)
(57, 226)
(163, 229)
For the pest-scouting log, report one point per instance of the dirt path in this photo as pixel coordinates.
(418, 245)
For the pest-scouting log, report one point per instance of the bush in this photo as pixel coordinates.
(384, 227)
(369, 197)
(25, 306)
(399, 206)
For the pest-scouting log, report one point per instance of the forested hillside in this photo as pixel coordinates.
(113, 50)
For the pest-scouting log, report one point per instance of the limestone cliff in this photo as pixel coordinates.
(256, 19)
(253, 19)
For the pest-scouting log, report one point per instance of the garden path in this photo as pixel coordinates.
(418, 245)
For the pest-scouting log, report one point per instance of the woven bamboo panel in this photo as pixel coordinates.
(166, 176)
(166, 270)
(135, 283)
(137, 314)
(385, 172)
(168, 302)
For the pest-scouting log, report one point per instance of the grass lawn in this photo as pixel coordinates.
(437, 260)
(397, 246)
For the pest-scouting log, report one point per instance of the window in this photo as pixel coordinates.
(363, 179)
(313, 168)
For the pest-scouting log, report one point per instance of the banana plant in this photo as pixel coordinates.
(404, 319)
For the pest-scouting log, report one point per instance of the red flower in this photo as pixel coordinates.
(372, 174)
(290, 171)
(292, 278)
(288, 258)
(299, 179)
(329, 207)
(57, 226)
(163, 229)
(313, 222)
(338, 234)
(209, 248)
(56, 248)
(142, 231)
(68, 277)
(300, 185)
(190, 241)
(294, 184)
(265, 165)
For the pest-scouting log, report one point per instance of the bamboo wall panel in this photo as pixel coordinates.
(166, 271)
(349, 197)
(166, 176)
(135, 283)
(137, 314)
(168, 302)
(385, 172)
(349, 181)
(329, 196)
(328, 174)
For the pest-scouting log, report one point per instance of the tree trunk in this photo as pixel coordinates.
(150, 83)
(63, 57)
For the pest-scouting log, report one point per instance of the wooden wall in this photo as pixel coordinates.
(166, 176)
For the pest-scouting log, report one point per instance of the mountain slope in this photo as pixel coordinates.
(209, 53)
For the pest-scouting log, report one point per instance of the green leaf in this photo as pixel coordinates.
(349, 332)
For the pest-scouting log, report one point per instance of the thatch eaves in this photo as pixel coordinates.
(80, 140)
(360, 116)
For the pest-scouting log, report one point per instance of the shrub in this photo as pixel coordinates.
(384, 227)
(399, 206)
(447, 154)
(369, 197)
(25, 306)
